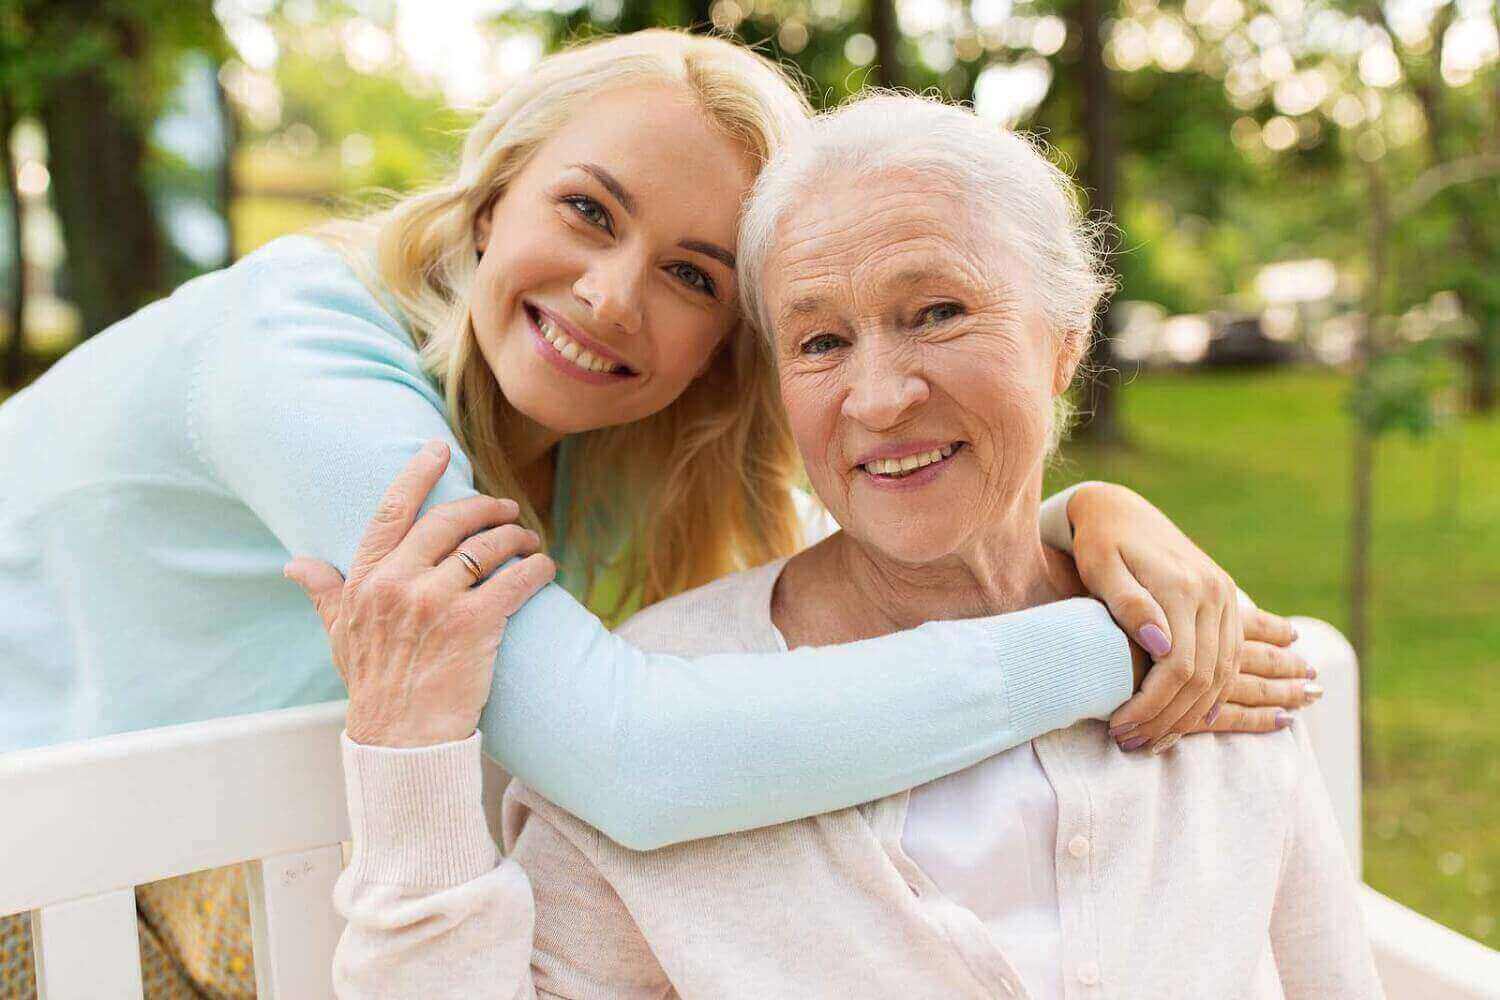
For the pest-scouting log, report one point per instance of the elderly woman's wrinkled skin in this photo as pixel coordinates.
(911, 329)
(902, 325)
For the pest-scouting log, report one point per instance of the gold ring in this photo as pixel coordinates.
(471, 564)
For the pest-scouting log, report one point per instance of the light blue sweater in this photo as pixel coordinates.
(155, 481)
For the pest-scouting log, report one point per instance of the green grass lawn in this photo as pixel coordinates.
(1256, 468)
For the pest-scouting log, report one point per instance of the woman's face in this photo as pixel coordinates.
(606, 281)
(917, 371)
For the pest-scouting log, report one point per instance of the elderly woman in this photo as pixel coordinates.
(923, 339)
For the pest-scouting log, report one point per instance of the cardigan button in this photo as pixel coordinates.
(1079, 847)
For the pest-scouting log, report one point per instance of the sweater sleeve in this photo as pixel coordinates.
(1317, 927)
(432, 909)
(307, 409)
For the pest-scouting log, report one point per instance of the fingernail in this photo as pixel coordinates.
(1295, 634)
(1213, 713)
(1283, 719)
(1312, 672)
(1134, 743)
(1164, 744)
(1312, 691)
(435, 448)
(1119, 731)
(1154, 641)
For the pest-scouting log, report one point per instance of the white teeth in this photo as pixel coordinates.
(572, 349)
(910, 463)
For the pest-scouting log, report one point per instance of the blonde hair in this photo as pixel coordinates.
(701, 488)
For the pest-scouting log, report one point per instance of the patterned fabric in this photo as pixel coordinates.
(194, 933)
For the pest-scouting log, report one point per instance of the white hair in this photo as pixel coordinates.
(1035, 204)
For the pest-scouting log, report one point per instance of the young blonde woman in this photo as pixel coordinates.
(562, 317)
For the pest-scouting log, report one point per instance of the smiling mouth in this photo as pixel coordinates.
(899, 468)
(571, 350)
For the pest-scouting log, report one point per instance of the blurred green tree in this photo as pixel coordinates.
(97, 74)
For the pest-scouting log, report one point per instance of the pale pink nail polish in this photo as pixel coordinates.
(1213, 713)
(1312, 672)
(1154, 641)
(1119, 731)
(1283, 719)
(1133, 744)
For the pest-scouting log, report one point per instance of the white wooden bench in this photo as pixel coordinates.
(85, 823)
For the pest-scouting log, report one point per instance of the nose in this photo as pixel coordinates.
(612, 290)
(886, 388)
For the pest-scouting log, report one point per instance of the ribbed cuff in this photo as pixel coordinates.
(1057, 530)
(417, 816)
(1062, 663)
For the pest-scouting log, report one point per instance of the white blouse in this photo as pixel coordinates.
(987, 837)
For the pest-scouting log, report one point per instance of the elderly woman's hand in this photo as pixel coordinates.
(414, 631)
(1173, 600)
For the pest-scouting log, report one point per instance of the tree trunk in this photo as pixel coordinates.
(226, 186)
(885, 71)
(701, 19)
(15, 351)
(1099, 411)
(1362, 501)
(97, 157)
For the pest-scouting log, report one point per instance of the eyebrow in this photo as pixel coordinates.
(713, 250)
(611, 185)
(626, 199)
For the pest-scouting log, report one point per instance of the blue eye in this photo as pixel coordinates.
(592, 212)
(821, 344)
(695, 278)
(940, 312)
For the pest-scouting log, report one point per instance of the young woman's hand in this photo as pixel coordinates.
(1171, 599)
(1274, 679)
(414, 631)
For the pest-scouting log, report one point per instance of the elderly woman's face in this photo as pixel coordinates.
(917, 370)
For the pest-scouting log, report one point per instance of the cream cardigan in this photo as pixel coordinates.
(1212, 871)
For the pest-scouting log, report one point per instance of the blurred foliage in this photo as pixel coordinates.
(1400, 388)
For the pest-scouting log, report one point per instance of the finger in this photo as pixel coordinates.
(1262, 626)
(489, 549)
(1263, 659)
(1197, 695)
(1260, 692)
(1132, 606)
(398, 508)
(443, 528)
(513, 585)
(1229, 654)
(322, 584)
(1237, 718)
(1139, 718)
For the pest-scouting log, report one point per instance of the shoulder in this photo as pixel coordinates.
(300, 317)
(731, 614)
(300, 282)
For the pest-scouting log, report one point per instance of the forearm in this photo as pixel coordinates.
(654, 749)
(432, 910)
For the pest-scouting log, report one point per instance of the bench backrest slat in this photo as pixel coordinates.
(88, 949)
(294, 923)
